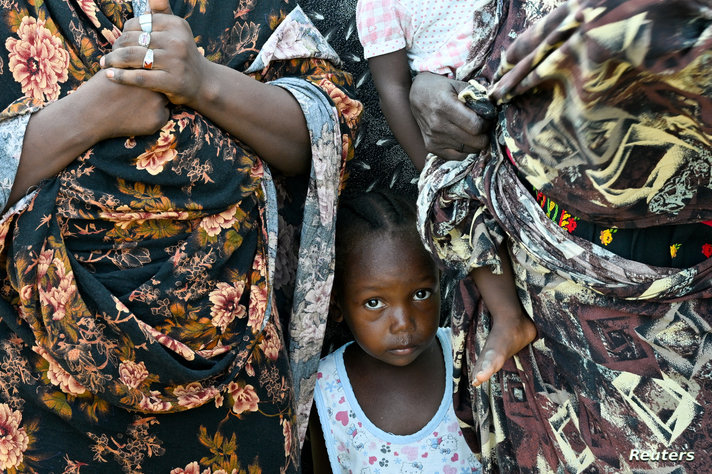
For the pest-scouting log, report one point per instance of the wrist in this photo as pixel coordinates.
(208, 92)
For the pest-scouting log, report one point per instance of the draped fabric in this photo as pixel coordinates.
(145, 289)
(604, 107)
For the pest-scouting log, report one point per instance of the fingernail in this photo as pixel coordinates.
(110, 73)
(101, 61)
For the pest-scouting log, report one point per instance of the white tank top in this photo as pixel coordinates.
(356, 445)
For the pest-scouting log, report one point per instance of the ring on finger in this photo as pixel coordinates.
(144, 39)
(146, 22)
(462, 148)
(148, 59)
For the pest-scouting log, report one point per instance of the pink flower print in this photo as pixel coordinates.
(167, 341)
(37, 60)
(258, 264)
(164, 151)
(271, 343)
(219, 399)
(13, 439)
(153, 403)
(215, 223)
(257, 170)
(26, 292)
(58, 296)
(111, 35)
(194, 394)
(226, 304)
(58, 376)
(243, 398)
(43, 262)
(319, 296)
(350, 109)
(192, 468)
(287, 432)
(132, 374)
(258, 306)
(89, 8)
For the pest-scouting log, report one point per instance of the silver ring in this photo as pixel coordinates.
(148, 59)
(146, 22)
(144, 39)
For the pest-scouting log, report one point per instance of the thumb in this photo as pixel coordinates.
(160, 6)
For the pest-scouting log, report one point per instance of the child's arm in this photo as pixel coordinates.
(511, 329)
(320, 457)
(391, 76)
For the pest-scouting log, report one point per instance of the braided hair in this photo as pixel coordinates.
(360, 215)
(370, 212)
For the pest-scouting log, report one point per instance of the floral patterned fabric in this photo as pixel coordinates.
(604, 105)
(145, 289)
(678, 245)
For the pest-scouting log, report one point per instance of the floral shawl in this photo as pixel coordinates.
(605, 106)
(144, 289)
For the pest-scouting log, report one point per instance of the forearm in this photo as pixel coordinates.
(266, 118)
(391, 76)
(498, 291)
(396, 108)
(50, 144)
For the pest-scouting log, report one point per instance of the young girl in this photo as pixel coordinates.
(405, 37)
(384, 401)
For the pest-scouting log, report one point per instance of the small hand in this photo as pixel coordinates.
(179, 69)
(450, 129)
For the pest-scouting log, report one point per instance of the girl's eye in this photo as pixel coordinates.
(374, 303)
(422, 295)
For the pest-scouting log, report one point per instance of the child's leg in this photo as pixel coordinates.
(511, 328)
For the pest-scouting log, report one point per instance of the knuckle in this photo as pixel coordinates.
(131, 23)
(120, 41)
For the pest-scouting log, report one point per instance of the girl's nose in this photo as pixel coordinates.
(401, 319)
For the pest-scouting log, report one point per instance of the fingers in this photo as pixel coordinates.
(160, 6)
(457, 134)
(132, 57)
(153, 80)
(160, 21)
(450, 129)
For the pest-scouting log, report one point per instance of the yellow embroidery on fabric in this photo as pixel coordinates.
(606, 236)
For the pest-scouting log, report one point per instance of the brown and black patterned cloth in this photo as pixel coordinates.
(141, 289)
(605, 109)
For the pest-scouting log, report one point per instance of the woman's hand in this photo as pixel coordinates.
(179, 70)
(115, 110)
(450, 129)
(235, 102)
(97, 110)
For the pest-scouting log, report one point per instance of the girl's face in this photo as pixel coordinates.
(390, 296)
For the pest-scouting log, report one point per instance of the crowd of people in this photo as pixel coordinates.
(190, 283)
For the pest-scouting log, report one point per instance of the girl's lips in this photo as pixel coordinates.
(403, 350)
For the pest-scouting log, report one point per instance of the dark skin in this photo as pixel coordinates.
(235, 102)
(126, 100)
(453, 140)
(446, 123)
(391, 304)
(391, 77)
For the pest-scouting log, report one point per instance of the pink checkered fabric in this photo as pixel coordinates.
(436, 34)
